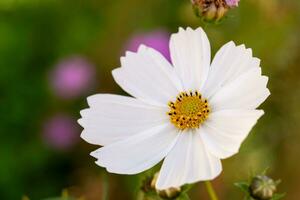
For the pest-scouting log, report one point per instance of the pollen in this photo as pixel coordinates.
(189, 110)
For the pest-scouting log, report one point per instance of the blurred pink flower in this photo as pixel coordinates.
(72, 77)
(61, 132)
(158, 39)
(232, 3)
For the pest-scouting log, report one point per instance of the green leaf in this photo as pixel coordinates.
(244, 186)
(265, 171)
(278, 196)
(183, 196)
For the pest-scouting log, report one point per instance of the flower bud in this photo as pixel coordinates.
(210, 10)
(262, 187)
(169, 193)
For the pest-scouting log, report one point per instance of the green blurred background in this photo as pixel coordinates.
(38, 37)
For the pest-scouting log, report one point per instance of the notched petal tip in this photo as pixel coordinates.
(95, 153)
(198, 30)
(190, 30)
(250, 51)
(83, 113)
(128, 53)
(260, 113)
(92, 101)
(115, 72)
(142, 48)
(80, 122)
(266, 78)
(180, 29)
(242, 46)
(231, 42)
(268, 93)
(86, 137)
(245, 50)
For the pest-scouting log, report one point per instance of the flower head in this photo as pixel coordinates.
(158, 40)
(190, 114)
(72, 77)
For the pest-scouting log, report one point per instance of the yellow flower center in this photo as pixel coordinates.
(189, 110)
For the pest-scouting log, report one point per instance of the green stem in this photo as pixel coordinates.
(211, 191)
(105, 186)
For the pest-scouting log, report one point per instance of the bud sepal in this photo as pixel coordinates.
(260, 187)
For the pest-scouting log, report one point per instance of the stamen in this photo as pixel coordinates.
(189, 110)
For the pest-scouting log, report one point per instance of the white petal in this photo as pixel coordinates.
(148, 76)
(247, 91)
(190, 54)
(229, 62)
(112, 117)
(225, 130)
(138, 153)
(188, 162)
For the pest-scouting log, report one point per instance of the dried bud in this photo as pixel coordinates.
(169, 193)
(210, 10)
(262, 187)
(213, 10)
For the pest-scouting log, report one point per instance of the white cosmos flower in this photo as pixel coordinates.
(190, 114)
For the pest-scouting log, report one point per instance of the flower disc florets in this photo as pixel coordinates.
(189, 110)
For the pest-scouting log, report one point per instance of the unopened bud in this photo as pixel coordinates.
(169, 193)
(262, 187)
(210, 10)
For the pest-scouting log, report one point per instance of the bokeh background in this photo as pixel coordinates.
(54, 53)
